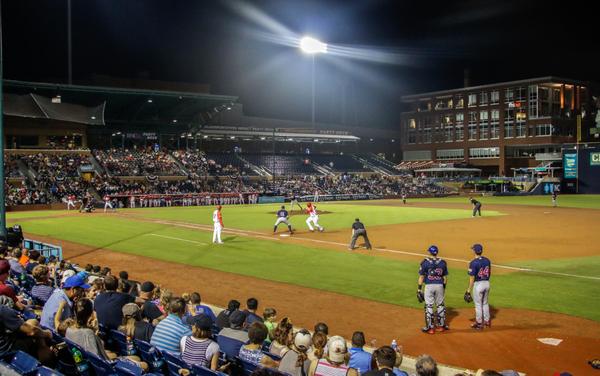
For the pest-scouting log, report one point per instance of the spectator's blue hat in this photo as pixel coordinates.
(83, 274)
(477, 248)
(236, 319)
(76, 281)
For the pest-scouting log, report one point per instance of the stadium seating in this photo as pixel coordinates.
(339, 163)
(281, 164)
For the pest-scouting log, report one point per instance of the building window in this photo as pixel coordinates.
(509, 123)
(416, 155)
(448, 132)
(494, 124)
(520, 129)
(483, 125)
(509, 95)
(472, 100)
(483, 98)
(460, 133)
(544, 101)
(521, 94)
(412, 137)
(533, 101)
(495, 97)
(427, 135)
(460, 102)
(450, 154)
(472, 125)
(450, 103)
(476, 153)
(543, 129)
(412, 123)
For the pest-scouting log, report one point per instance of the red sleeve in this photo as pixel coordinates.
(221, 219)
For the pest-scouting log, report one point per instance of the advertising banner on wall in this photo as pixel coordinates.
(570, 165)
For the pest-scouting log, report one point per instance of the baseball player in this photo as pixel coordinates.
(313, 217)
(282, 217)
(70, 202)
(316, 198)
(358, 229)
(480, 271)
(107, 203)
(294, 202)
(218, 225)
(404, 197)
(476, 206)
(554, 198)
(433, 272)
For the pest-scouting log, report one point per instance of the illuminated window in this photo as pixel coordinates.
(472, 100)
(495, 97)
(483, 98)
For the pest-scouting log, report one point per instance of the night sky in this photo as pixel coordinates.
(426, 45)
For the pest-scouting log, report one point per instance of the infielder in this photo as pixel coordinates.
(554, 198)
(218, 225)
(480, 271)
(282, 217)
(294, 202)
(313, 217)
(107, 203)
(476, 206)
(434, 273)
(404, 197)
(358, 229)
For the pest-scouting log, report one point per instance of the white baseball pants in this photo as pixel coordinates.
(217, 233)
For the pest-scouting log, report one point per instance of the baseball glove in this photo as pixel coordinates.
(420, 296)
(595, 363)
(468, 298)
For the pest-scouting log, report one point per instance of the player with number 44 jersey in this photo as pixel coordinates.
(480, 272)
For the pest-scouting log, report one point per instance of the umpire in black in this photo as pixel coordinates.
(358, 229)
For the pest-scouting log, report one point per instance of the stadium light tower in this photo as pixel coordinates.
(313, 46)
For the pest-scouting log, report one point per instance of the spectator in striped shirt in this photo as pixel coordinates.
(335, 362)
(199, 348)
(168, 333)
(42, 289)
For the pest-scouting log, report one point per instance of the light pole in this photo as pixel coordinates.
(312, 47)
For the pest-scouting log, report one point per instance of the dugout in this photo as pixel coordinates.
(581, 169)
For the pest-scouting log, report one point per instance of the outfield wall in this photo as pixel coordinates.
(581, 170)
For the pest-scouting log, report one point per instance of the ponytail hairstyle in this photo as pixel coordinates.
(282, 334)
(319, 341)
(302, 342)
(84, 308)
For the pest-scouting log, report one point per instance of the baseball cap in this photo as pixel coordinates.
(433, 250)
(75, 281)
(147, 286)
(130, 309)
(201, 322)
(67, 274)
(478, 248)
(4, 266)
(236, 319)
(303, 339)
(337, 349)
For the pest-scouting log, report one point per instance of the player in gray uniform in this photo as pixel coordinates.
(282, 217)
(433, 272)
(480, 272)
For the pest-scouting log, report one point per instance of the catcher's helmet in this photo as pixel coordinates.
(477, 248)
(433, 250)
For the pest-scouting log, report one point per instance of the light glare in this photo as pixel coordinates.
(312, 46)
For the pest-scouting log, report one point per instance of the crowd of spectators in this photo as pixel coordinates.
(138, 162)
(22, 194)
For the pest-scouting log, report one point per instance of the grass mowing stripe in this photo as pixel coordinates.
(354, 274)
(570, 201)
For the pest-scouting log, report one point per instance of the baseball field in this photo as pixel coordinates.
(546, 273)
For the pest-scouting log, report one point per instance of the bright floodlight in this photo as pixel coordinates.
(312, 46)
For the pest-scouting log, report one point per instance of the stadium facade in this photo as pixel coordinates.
(497, 127)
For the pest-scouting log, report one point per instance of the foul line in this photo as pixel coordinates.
(180, 239)
(257, 234)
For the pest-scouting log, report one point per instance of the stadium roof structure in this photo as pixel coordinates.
(276, 134)
(126, 107)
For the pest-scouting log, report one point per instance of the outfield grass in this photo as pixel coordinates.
(364, 276)
(571, 201)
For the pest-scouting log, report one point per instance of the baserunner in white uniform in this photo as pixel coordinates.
(107, 203)
(282, 217)
(218, 225)
(313, 217)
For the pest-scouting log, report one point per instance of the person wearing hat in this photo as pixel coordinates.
(295, 362)
(232, 338)
(433, 272)
(218, 225)
(150, 310)
(133, 326)
(199, 348)
(335, 362)
(480, 272)
(60, 304)
(358, 230)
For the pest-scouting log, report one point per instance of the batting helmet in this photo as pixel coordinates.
(477, 248)
(433, 250)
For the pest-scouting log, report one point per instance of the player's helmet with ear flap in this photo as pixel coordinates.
(433, 250)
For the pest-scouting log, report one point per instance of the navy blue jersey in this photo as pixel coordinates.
(434, 270)
(282, 213)
(475, 202)
(480, 268)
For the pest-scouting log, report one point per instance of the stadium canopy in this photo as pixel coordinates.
(120, 106)
(251, 134)
(449, 171)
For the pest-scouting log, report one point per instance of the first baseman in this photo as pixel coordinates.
(313, 217)
(480, 271)
(282, 217)
(476, 206)
(433, 272)
(218, 225)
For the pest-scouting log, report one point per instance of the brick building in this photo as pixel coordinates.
(495, 127)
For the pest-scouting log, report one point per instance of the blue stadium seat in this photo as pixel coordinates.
(248, 367)
(174, 363)
(149, 354)
(229, 346)
(100, 366)
(45, 371)
(127, 368)
(121, 344)
(24, 363)
(203, 371)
